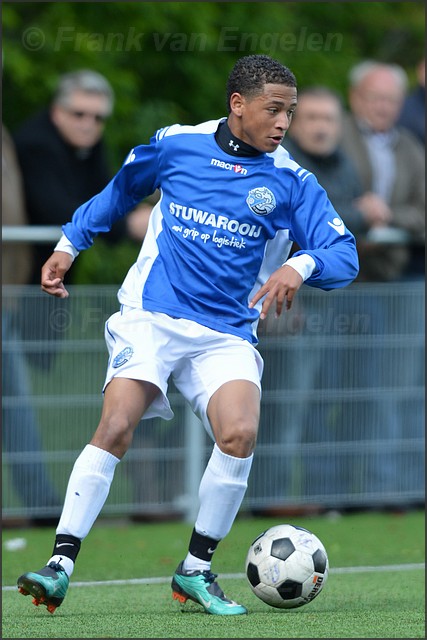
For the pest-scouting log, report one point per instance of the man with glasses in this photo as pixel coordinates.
(62, 154)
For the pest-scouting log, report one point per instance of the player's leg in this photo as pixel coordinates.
(233, 413)
(125, 401)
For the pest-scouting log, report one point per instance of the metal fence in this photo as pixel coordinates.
(342, 420)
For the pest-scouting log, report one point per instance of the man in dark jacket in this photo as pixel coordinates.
(314, 141)
(413, 114)
(62, 155)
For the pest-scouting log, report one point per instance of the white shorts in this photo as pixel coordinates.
(149, 346)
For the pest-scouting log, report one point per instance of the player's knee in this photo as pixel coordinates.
(114, 434)
(239, 441)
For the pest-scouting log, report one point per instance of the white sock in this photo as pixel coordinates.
(65, 562)
(87, 491)
(221, 492)
(191, 563)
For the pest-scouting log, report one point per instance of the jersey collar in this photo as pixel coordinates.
(232, 145)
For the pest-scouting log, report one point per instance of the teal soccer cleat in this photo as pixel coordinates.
(47, 586)
(200, 586)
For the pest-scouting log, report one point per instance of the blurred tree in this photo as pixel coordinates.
(168, 61)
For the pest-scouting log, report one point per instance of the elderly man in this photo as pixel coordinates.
(61, 153)
(390, 163)
(314, 141)
(63, 163)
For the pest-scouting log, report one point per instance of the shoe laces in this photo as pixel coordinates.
(214, 588)
(209, 576)
(56, 566)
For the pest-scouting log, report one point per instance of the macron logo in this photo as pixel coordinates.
(338, 225)
(237, 168)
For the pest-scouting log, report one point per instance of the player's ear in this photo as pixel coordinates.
(237, 102)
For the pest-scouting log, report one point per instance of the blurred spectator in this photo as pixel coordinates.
(314, 141)
(391, 165)
(413, 114)
(63, 162)
(20, 431)
(62, 155)
(63, 159)
(344, 169)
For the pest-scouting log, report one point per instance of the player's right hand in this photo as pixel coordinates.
(281, 287)
(53, 272)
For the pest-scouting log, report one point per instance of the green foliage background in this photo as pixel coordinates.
(168, 61)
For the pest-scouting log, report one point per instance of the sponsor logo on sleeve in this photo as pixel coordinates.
(338, 225)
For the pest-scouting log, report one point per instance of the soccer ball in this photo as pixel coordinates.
(287, 566)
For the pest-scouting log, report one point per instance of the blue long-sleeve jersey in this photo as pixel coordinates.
(220, 228)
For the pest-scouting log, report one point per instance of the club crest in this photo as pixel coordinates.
(261, 201)
(121, 358)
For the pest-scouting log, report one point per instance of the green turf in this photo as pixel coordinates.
(387, 604)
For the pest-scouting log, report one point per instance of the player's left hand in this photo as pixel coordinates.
(281, 286)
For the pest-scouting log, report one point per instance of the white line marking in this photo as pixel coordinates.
(227, 576)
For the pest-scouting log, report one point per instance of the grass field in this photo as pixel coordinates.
(375, 588)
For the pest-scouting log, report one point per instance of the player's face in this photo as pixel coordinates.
(263, 121)
(81, 121)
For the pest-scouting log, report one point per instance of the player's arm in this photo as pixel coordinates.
(327, 259)
(321, 234)
(137, 179)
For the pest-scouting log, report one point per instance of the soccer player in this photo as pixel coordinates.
(215, 258)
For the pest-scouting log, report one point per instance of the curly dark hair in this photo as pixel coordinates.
(251, 73)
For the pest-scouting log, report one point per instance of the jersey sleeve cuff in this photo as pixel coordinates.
(304, 264)
(66, 246)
